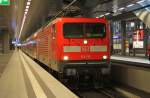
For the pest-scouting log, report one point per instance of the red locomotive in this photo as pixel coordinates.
(72, 46)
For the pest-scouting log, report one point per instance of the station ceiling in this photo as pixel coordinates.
(41, 11)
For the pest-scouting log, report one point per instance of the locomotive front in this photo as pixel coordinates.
(85, 46)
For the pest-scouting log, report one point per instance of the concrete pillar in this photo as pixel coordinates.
(1, 43)
(123, 34)
(5, 45)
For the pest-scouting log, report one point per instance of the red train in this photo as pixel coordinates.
(72, 46)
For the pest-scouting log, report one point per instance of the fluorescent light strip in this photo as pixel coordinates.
(23, 21)
(27, 7)
(122, 8)
(24, 17)
(26, 10)
(101, 15)
(107, 13)
(28, 3)
(141, 1)
(130, 5)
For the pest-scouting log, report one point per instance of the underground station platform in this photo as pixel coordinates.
(74, 48)
(20, 79)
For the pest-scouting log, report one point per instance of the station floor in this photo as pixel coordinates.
(4, 58)
(21, 77)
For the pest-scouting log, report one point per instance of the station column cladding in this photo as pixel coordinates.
(5, 42)
(123, 34)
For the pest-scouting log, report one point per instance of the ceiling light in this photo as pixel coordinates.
(24, 18)
(28, 3)
(23, 21)
(122, 8)
(101, 15)
(27, 7)
(26, 10)
(107, 13)
(130, 5)
(132, 24)
(140, 1)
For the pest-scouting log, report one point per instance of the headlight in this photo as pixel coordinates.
(104, 57)
(85, 41)
(66, 58)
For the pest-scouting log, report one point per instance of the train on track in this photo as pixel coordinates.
(72, 47)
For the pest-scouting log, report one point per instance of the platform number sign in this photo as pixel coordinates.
(5, 2)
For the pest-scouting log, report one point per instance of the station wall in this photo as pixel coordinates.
(135, 77)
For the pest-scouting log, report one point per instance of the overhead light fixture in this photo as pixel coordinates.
(122, 8)
(28, 3)
(23, 21)
(130, 5)
(26, 10)
(27, 7)
(24, 17)
(101, 16)
(141, 1)
(107, 13)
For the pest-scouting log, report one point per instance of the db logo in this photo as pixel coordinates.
(85, 49)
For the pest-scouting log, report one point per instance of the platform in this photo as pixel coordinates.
(131, 71)
(4, 59)
(23, 78)
(136, 61)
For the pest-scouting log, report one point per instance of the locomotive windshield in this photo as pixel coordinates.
(88, 30)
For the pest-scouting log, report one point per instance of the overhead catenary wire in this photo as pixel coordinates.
(60, 12)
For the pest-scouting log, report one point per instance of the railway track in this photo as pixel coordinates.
(91, 92)
(99, 93)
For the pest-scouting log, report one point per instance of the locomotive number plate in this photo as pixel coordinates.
(85, 49)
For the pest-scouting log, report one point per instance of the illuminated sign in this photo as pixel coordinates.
(138, 39)
(4, 2)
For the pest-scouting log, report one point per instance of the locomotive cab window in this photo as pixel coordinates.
(73, 30)
(88, 30)
(95, 30)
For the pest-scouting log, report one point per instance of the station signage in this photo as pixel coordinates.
(4, 2)
(138, 37)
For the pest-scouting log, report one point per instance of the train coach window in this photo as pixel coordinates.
(73, 30)
(95, 30)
